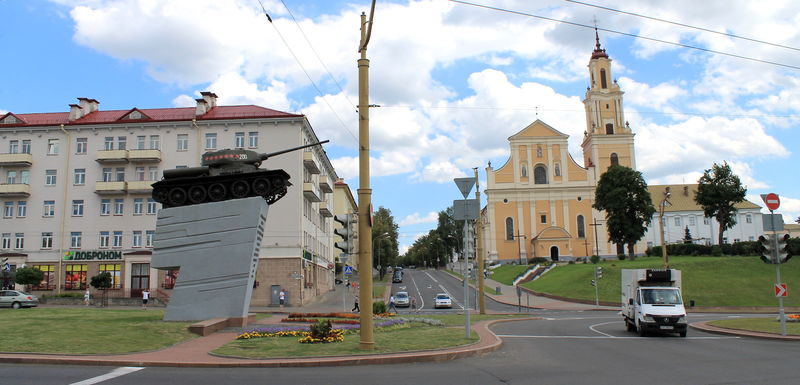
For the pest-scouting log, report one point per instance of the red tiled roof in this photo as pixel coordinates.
(154, 114)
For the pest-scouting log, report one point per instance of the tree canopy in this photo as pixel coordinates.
(28, 276)
(718, 191)
(622, 193)
(437, 247)
(384, 247)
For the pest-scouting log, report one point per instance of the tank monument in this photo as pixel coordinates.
(210, 228)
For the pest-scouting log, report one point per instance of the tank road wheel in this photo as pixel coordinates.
(197, 194)
(161, 194)
(261, 186)
(177, 196)
(216, 192)
(240, 189)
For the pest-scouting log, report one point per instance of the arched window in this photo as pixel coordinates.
(609, 129)
(509, 229)
(558, 169)
(581, 228)
(524, 171)
(614, 159)
(539, 175)
(603, 82)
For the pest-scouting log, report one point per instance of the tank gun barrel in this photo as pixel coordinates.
(267, 155)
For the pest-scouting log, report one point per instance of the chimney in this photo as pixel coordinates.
(202, 107)
(88, 105)
(75, 112)
(210, 98)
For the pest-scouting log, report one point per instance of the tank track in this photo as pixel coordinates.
(271, 185)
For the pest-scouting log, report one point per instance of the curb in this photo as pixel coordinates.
(704, 326)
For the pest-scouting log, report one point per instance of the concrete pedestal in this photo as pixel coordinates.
(215, 246)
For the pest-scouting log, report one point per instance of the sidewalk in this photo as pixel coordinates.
(508, 296)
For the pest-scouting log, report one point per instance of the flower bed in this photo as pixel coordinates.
(303, 330)
(311, 320)
(322, 315)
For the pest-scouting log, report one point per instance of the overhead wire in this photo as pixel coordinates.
(635, 36)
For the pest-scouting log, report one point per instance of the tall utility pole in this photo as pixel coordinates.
(367, 341)
(481, 267)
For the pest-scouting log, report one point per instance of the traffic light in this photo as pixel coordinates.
(347, 232)
(784, 252)
(765, 247)
(594, 283)
(598, 272)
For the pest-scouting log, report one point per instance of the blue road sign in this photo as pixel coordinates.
(348, 270)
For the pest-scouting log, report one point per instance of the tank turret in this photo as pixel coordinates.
(222, 175)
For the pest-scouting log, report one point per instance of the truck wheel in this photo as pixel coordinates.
(642, 332)
(631, 327)
(683, 333)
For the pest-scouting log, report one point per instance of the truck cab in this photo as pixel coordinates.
(651, 301)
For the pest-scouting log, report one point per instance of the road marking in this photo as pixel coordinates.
(431, 277)
(419, 293)
(118, 372)
(610, 337)
(597, 331)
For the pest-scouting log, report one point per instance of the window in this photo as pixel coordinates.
(148, 239)
(52, 146)
(677, 221)
(77, 208)
(11, 177)
(50, 177)
(120, 174)
(80, 145)
(48, 279)
(609, 129)
(705, 220)
(47, 240)
(108, 143)
(183, 142)
(26, 146)
(24, 176)
(155, 142)
(19, 241)
(539, 175)
(692, 220)
(140, 277)
(151, 206)
(509, 229)
(13, 146)
(22, 209)
(75, 240)
(79, 177)
(253, 139)
(211, 141)
(75, 278)
(113, 269)
(6, 241)
(106, 174)
(122, 143)
(140, 142)
(239, 142)
(105, 206)
(8, 210)
(153, 171)
(49, 209)
(140, 173)
(614, 159)
(603, 81)
(558, 169)
(137, 239)
(543, 219)
(104, 239)
(748, 218)
(118, 206)
(116, 241)
(137, 206)
(581, 227)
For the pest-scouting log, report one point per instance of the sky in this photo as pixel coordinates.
(452, 80)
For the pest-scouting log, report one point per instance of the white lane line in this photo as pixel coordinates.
(431, 277)
(611, 337)
(597, 331)
(419, 293)
(118, 372)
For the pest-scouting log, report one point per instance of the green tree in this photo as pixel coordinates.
(384, 247)
(102, 282)
(622, 194)
(687, 235)
(28, 276)
(718, 192)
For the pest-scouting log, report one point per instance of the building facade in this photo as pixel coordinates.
(76, 193)
(345, 203)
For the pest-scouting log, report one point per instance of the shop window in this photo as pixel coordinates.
(115, 270)
(48, 278)
(75, 277)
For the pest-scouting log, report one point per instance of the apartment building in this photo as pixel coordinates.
(76, 196)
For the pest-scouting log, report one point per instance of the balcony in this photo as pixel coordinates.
(16, 160)
(15, 190)
(108, 188)
(112, 156)
(140, 186)
(311, 192)
(310, 163)
(325, 184)
(144, 156)
(323, 209)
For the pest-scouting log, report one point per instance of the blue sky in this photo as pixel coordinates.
(454, 81)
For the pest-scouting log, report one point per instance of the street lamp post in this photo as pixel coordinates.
(661, 225)
(380, 267)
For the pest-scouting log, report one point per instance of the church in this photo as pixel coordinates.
(539, 203)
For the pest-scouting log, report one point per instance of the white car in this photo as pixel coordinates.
(442, 300)
(401, 299)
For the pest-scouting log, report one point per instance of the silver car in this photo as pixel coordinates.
(401, 299)
(17, 299)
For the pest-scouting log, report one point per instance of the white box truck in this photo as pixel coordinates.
(652, 302)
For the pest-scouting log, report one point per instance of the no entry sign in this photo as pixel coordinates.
(772, 200)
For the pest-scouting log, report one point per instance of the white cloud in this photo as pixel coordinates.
(415, 218)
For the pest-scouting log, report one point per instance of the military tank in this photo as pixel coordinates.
(223, 175)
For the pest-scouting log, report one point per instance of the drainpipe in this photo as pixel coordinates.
(63, 214)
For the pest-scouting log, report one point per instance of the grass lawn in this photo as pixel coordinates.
(709, 281)
(505, 274)
(764, 324)
(88, 331)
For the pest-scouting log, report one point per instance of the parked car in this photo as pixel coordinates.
(401, 299)
(397, 277)
(17, 299)
(442, 300)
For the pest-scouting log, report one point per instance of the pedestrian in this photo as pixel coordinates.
(355, 306)
(414, 304)
(145, 298)
(282, 297)
(86, 297)
(391, 305)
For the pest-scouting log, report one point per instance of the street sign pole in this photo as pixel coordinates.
(777, 258)
(465, 274)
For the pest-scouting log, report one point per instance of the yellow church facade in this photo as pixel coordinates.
(539, 203)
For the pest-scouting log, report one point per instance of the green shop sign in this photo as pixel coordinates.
(92, 255)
